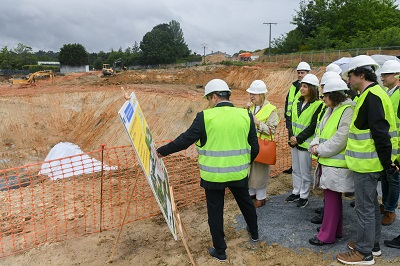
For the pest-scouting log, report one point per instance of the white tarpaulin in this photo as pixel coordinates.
(380, 59)
(77, 162)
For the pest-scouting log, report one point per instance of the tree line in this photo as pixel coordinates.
(341, 24)
(320, 25)
(164, 44)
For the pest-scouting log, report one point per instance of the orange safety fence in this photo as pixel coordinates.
(88, 193)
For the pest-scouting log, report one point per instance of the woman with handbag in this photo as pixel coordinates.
(266, 120)
(329, 146)
(305, 112)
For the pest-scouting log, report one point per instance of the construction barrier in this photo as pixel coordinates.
(70, 197)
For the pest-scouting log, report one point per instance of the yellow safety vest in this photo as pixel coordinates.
(302, 121)
(395, 98)
(226, 155)
(361, 155)
(291, 98)
(262, 115)
(330, 128)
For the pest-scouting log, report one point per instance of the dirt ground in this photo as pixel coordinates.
(81, 108)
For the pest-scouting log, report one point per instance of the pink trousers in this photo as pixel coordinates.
(332, 224)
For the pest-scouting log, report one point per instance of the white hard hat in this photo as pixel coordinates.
(333, 67)
(360, 61)
(310, 79)
(303, 66)
(257, 87)
(215, 85)
(335, 84)
(328, 76)
(390, 66)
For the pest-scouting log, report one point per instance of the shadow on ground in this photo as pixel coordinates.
(289, 226)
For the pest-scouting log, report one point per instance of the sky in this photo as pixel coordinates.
(208, 25)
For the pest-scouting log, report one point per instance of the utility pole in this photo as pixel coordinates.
(204, 54)
(269, 49)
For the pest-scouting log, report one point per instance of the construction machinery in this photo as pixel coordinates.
(116, 67)
(31, 78)
(107, 70)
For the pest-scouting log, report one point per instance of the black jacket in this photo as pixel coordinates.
(197, 131)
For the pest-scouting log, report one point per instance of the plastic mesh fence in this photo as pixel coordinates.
(84, 194)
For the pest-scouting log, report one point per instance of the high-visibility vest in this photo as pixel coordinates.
(299, 123)
(361, 155)
(395, 98)
(328, 131)
(262, 115)
(293, 95)
(226, 155)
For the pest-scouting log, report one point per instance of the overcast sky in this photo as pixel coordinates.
(222, 25)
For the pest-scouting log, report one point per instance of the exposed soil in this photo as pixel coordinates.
(82, 109)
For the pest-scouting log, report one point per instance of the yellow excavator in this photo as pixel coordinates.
(33, 76)
(107, 70)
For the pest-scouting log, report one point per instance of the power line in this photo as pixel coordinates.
(269, 47)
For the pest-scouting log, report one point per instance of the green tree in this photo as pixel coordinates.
(180, 45)
(98, 64)
(73, 55)
(164, 44)
(325, 24)
(6, 59)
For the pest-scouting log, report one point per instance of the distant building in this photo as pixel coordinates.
(48, 63)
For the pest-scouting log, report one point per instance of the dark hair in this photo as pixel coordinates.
(337, 97)
(313, 92)
(367, 71)
(222, 94)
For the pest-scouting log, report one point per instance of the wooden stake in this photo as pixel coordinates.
(180, 227)
(123, 221)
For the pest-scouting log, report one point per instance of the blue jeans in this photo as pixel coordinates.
(390, 191)
(367, 210)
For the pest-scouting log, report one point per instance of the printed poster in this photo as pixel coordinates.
(142, 141)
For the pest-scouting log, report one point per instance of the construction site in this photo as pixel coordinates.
(75, 220)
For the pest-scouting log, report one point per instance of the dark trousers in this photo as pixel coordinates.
(215, 209)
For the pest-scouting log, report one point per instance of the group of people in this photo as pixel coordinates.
(355, 143)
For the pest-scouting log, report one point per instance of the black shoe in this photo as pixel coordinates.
(253, 238)
(316, 242)
(317, 219)
(319, 210)
(302, 203)
(394, 243)
(353, 203)
(292, 198)
(219, 257)
(288, 171)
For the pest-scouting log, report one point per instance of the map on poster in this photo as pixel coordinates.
(142, 141)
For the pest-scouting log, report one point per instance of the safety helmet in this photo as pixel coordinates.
(215, 85)
(390, 66)
(257, 87)
(333, 67)
(361, 61)
(303, 66)
(335, 84)
(310, 79)
(328, 76)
